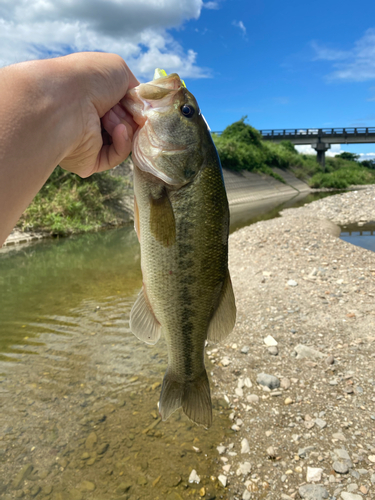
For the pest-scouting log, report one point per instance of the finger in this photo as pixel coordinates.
(124, 115)
(115, 116)
(111, 155)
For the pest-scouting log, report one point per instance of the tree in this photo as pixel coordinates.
(348, 156)
(368, 163)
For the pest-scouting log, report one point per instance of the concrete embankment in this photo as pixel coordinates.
(246, 187)
(243, 188)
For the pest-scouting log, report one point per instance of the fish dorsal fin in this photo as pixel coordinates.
(224, 316)
(143, 323)
(162, 221)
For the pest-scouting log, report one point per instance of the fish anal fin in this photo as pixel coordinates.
(162, 221)
(143, 323)
(194, 397)
(224, 316)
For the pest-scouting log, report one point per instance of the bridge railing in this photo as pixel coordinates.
(316, 132)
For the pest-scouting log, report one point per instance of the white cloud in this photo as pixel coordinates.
(135, 29)
(211, 5)
(356, 64)
(308, 150)
(366, 156)
(240, 24)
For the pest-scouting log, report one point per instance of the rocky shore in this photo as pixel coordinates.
(299, 369)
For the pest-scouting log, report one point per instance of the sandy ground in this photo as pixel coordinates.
(312, 435)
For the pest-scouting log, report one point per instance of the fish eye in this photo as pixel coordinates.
(187, 110)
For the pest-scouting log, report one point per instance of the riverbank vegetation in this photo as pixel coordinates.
(241, 147)
(68, 204)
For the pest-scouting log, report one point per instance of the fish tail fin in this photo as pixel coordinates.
(194, 397)
(170, 397)
(196, 400)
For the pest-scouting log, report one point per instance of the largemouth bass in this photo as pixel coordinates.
(182, 221)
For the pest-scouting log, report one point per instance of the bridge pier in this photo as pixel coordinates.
(321, 148)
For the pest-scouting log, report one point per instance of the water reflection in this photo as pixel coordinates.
(359, 234)
(245, 214)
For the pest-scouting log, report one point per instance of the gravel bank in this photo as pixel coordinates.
(312, 435)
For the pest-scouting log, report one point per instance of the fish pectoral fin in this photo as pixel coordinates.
(194, 397)
(224, 316)
(143, 323)
(162, 221)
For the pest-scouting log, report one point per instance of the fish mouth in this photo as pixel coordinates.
(155, 96)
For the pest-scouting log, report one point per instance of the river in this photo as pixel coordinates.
(78, 391)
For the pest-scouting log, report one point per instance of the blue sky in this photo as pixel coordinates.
(283, 64)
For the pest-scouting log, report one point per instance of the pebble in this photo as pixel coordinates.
(330, 360)
(372, 458)
(245, 447)
(194, 478)
(340, 467)
(269, 381)
(253, 398)
(75, 494)
(288, 401)
(247, 382)
(285, 383)
(270, 341)
(292, 283)
(223, 479)
(91, 441)
(313, 474)
(345, 495)
(320, 423)
(246, 495)
(245, 349)
(339, 435)
(274, 351)
(313, 492)
(23, 474)
(306, 352)
(303, 452)
(244, 469)
(221, 449)
(239, 392)
(87, 486)
(225, 361)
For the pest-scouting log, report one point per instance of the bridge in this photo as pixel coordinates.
(321, 139)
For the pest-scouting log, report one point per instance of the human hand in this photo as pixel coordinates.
(98, 81)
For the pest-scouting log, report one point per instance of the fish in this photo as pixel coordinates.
(182, 221)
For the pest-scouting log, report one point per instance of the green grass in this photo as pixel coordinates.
(68, 204)
(343, 178)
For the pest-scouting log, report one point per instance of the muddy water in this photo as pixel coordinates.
(78, 392)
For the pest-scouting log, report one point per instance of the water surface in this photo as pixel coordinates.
(361, 235)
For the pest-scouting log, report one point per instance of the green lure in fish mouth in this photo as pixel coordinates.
(160, 73)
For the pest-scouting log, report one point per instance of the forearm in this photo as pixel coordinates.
(51, 113)
(36, 127)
